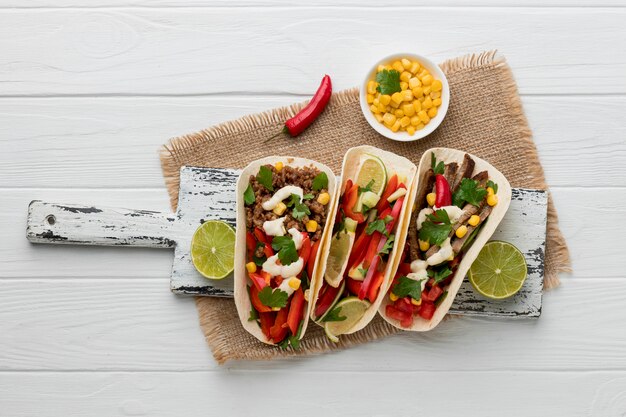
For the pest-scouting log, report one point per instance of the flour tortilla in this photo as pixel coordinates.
(349, 171)
(448, 155)
(242, 300)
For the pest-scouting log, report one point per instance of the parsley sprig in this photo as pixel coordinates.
(248, 195)
(407, 286)
(264, 177)
(469, 191)
(440, 275)
(388, 82)
(334, 315)
(286, 248)
(299, 209)
(320, 181)
(388, 245)
(273, 297)
(438, 168)
(378, 225)
(436, 228)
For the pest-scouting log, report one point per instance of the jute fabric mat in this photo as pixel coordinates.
(485, 118)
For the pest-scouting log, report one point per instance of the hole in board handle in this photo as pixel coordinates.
(51, 219)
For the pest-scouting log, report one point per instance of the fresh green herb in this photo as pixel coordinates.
(299, 210)
(436, 228)
(362, 271)
(388, 82)
(493, 185)
(273, 297)
(469, 191)
(340, 227)
(378, 225)
(264, 177)
(438, 168)
(259, 261)
(440, 275)
(293, 341)
(286, 248)
(367, 188)
(254, 315)
(307, 197)
(388, 245)
(407, 286)
(333, 315)
(441, 298)
(248, 195)
(320, 181)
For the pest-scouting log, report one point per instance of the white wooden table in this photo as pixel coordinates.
(88, 92)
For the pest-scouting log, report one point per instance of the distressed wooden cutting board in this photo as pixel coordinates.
(209, 193)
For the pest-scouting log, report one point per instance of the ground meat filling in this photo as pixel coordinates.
(300, 177)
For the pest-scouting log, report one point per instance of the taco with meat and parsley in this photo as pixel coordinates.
(283, 207)
(460, 200)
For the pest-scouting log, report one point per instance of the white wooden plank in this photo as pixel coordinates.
(113, 142)
(598, 394)
(126, 324)
(286, 50)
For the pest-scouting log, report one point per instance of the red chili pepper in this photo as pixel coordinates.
(442, 188)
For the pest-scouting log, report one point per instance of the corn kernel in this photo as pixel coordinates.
(417, 105)
(407, 95)
(492, 200)
(415, 121)
(405, 76)
(388, 67)
(275, 308)
(474, 220)
(389, 119)
(396, 126)
(408, 109)
(490, 191)
(393, 297)
(410, 130)
(423, 116)
(385, 99)
(432, 112)
(427, 103)
(396, 97)
(374, 109)
(405, 121)
(424, 246)
(379, 117)
(406, 64)
(369, 98)
(427, 90)
(251, 267)
(427, 79)
(430, 198)
(376, 102)
(414, 82)
(371, 87)
(311, 226)
(394, 104)
(437, 85)
(404, 85)
(380, 68)
(437, 102)
(461, 231)
(419, 126)
(415, 67)
(294, 283)
(323, 198)
(399, 113)
(279, 209)
(397, 65)
(435, 94)
(416, 302)
(418, 92)
(382, 108)
(278, 166)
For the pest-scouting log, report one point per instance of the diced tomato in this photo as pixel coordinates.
(426, 311)
(377, 281)
(305, 250)
(350, 198)
(325, 299)
(391, 187)
(256, 302)
(258, 281)
(311, 264)
(396, 314)
(278, 331)
(404, 304)
(434, 293)
(353, 285)
(267, 321)
(261, 236)
(296, 311)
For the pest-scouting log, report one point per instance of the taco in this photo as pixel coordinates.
(368, 235)
(460, 200)
(283, 208)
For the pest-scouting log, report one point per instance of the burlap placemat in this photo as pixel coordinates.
(485, 118)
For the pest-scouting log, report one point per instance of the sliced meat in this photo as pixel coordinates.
(420, 202)
(457, 244)
(466, 170)
(450, 172)
(481, 177)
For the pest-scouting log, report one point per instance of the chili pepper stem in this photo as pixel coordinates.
(282, 132)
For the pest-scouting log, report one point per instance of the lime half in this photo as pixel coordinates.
(353, 310)
(372, 172)
(338, 254)
(499, 271)
(213, 249)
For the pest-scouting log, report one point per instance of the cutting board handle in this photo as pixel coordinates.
(86, 225)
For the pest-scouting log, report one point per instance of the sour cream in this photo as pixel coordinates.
(442, 255)
(297, 237)
(421, 217)
(454, 213)
(418, 270)
(280, 195)
(273, 267)
(275, 227)
(284, 286)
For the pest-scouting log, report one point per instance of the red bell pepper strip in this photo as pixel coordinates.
(311, 265)
(296, 311)
(277, 281)
(354, 286)
(427, 310)
(305, 250)
(268, 251)
(250, 244)
(256, 302)
(261, 236)
(350, 198)
(267, 321)
(392, 186)
(377, 281)
(325, 299)
(258, 280)
(358, 249)
(442, 188)
(279, 330)
(372, 250)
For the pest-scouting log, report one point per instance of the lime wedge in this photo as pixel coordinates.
(338, 254)
(213, 249)
(353, 310)
(499, 271)
(372, 168)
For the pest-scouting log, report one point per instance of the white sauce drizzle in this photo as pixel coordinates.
(273, 267)
(275, 227)
(421, 217)
(297, 237)
(442, 255)
(284, 286)
(454, 213)
(280, 195)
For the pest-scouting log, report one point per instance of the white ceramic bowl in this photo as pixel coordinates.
(432, 125)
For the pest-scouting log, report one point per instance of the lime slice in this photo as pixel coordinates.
(338, 254)
(372, 168)
(213, 249)
(353, 310)
(499, 271)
